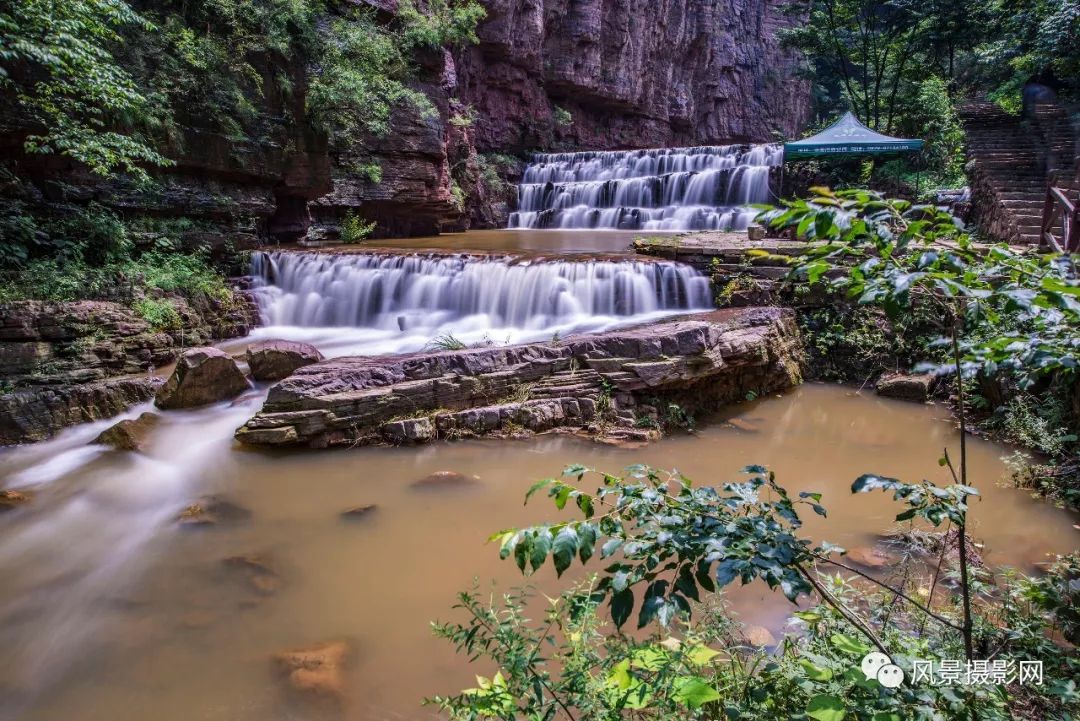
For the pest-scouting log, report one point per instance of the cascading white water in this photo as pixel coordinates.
(377, 303)
(704, 188)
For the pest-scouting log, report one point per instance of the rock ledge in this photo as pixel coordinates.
(602, 384)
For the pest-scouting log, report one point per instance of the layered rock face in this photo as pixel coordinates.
(598, 383)
(63, 363)
(38, 413)
(631, 73)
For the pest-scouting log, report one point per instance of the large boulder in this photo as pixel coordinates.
(202, 376)
(906, 387)
(130, 434)
(272, 360)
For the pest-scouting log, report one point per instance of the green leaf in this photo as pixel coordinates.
(561, 494)
(814, 672)
(622, 605)
(826, 708)
(537, 486)
(587, 541)
(872, 482)
(694, 691)
(584, 502)
(564, 548)
(541, 544)
(847, 644)
(701, 655)
(610, 547)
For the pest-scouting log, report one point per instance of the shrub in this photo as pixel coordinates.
(353, 229)
(160, 314)
(562, 117)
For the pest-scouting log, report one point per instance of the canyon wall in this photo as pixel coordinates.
(546, 74)
(631, 74)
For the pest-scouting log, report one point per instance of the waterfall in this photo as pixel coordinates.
(704, 188)
(379, 303)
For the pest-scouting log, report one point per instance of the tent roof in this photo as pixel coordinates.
(847, 136)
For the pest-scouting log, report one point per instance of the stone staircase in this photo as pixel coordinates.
(1009, 164)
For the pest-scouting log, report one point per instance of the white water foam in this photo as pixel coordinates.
(371, 304)
(703, 188)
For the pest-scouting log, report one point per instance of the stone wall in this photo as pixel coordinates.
(610, 384)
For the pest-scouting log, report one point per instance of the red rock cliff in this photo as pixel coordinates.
(631, 73)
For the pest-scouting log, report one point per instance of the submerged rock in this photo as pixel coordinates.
(357, 512)
(257, 571)
(870, 557)
(315, 671)
(130, 434)
(202, 376)
(211, 511)
(272, 360)
(906, 387)
(10, 500)
(759, 636)
(445, 479)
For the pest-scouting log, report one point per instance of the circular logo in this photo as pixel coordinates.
(890, 675)
(876, 665)
(873, 662)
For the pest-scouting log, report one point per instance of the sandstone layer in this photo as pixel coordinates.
(601, 384)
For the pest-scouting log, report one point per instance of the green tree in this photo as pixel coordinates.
(868, 45)
(55, 60)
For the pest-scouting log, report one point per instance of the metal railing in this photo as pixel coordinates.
(1058, 204)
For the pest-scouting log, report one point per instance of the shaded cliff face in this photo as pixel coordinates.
(631, 73)
(547, 74)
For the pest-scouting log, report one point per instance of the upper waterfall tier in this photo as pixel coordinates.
(381, 303)
(705, 188)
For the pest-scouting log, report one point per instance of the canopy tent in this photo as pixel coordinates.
(847, 136)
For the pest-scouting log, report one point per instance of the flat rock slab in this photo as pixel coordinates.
(702, 249)
(587, 382)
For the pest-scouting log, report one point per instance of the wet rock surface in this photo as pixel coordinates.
(444, 480)
(906, 387)
(357, 513)
(10, 500)
(212, 511)
(129, 435)
(202, 376)
(257, 572)
(34, 414)
(272, 360)
(316, 671)
(591, 383)
(759, 636)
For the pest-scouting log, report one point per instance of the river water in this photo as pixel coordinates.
(110, 611)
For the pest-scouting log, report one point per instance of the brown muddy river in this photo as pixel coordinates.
(111, 612)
